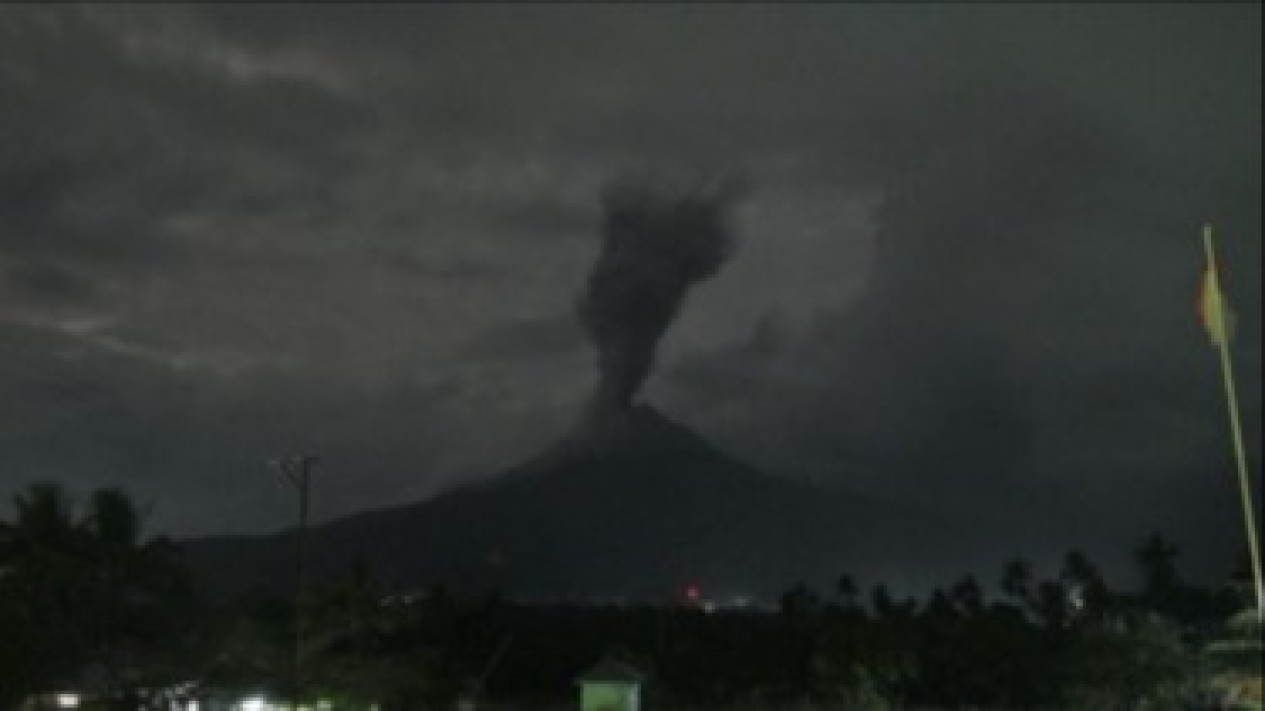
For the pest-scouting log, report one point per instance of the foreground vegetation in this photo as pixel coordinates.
(87, 601)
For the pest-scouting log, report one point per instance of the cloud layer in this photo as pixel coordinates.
(965, 271)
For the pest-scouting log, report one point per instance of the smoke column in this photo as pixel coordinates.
(655, 245)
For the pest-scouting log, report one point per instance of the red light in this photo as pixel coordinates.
(692, 592)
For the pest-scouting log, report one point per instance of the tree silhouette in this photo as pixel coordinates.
(967, 597)
(1162, 589)
(137, 592)
(1157, 557)
(38, 592)
(1088, 594)
(846, 590)
(1016, 581)
(90, 589)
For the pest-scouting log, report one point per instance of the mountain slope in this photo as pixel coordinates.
(635, 505)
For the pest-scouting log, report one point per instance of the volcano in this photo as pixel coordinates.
(632, 505)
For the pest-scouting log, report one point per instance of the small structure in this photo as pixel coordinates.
(611, 685)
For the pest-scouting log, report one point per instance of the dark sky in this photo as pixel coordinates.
(965, 272)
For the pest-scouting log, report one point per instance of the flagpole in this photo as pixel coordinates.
(1236, 430)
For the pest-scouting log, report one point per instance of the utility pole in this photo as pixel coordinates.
(297, 469)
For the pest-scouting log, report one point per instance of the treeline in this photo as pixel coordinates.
(88, 601)
(1066, 642)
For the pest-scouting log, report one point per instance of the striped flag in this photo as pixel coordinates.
(1214, 311)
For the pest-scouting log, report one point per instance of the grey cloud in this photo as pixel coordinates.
(180, 442)
(462, 270)
(46, 282)
(977, 227)
(1037, 269)
(556, 336)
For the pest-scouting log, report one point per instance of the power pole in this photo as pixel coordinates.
(297, 469)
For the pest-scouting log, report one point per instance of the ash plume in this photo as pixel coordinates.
(656, 243)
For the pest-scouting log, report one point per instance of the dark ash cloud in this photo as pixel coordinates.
(654, 248)
(964, 275)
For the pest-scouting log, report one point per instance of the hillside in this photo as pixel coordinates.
(636, 505)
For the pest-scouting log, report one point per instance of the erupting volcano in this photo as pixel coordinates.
(629, 503)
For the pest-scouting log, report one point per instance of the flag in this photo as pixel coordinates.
(1219, 320)
(1214, 311)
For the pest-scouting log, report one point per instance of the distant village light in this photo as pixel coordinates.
(67, 700)
(254, 703)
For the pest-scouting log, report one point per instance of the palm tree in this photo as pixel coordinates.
(1085, 583)
(1161, 586)
(39, 591)
(42, 541)
(882, 602)
(45, 512)
(1157, 556)
(1050, 604)
(846, 589)
(138, 590)
(1016, 580)
(967, 596)
(92, 589)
